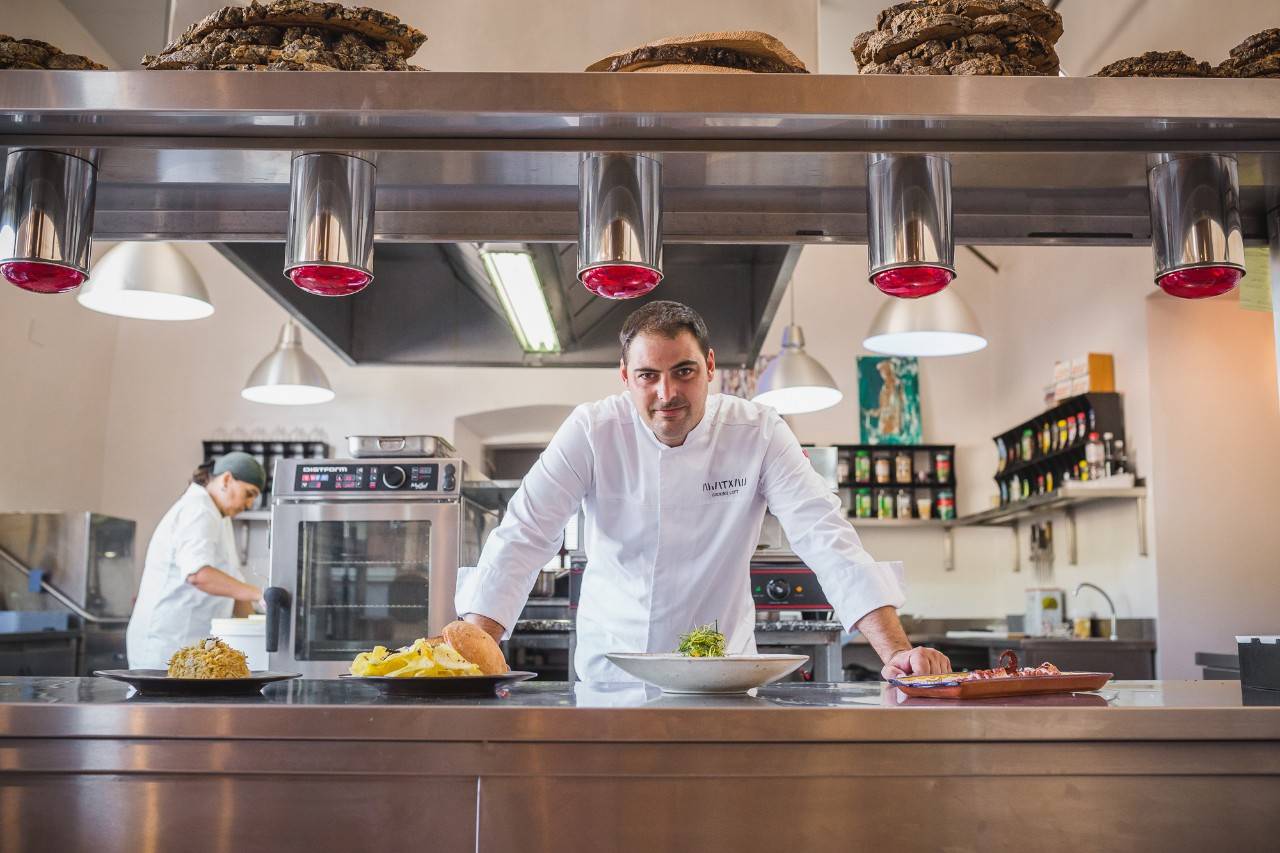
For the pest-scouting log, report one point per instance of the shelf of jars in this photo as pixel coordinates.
(908, 485)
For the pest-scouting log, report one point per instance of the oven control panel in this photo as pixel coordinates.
(381, 476)
(789, 587)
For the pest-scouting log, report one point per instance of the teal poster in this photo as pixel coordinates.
(889, 400)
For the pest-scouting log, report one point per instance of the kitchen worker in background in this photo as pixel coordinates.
(675, 482)
(192, 572)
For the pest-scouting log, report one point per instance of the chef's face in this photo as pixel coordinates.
(668, 380)
(232, 496)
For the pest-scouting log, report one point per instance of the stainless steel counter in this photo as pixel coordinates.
(316, 765)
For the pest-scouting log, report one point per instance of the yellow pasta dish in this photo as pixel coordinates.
(209, 658)
(426, 658)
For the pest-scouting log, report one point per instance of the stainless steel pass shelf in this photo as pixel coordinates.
(747, 158)
(1069, 498)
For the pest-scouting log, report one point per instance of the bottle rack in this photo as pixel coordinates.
(267, 453)
(926, 482)
(1054, 458)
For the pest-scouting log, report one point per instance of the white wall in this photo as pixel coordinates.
(1213, 394)
(55, 357)
(49, 20)
(1045, 304)
(55, 375)
(174, 383)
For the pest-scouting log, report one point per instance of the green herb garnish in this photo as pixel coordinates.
(703, 642)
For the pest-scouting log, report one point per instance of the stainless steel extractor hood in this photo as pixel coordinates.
(432, 303)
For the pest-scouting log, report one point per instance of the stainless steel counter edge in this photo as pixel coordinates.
(1176, 711)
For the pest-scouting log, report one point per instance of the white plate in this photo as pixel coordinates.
(680, 674)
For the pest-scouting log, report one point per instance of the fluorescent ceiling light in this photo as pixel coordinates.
(514, 278)
(938, 325)
(146, 281)
(288, 376)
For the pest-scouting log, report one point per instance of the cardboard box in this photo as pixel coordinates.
(1098, 368)
(1062, 390)
(1061, 371)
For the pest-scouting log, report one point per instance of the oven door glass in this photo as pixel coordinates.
(361, 584)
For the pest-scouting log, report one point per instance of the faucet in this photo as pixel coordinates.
(1110, 604)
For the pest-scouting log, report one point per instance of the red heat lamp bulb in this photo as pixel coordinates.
(912, 282)
(40, 277)
(620, 281)
(329, 280)
(1200, 282)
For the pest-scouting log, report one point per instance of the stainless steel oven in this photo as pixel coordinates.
(365, 552)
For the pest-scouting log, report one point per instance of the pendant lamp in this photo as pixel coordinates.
(937, 325)
(288, 376)
(146, 281)
(794, 382)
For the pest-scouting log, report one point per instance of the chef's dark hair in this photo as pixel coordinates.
(202, 473)
(665, 318)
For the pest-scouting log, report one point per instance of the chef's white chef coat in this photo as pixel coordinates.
(670, 530)
(171, 613)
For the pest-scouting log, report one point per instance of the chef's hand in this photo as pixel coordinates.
(916, 661)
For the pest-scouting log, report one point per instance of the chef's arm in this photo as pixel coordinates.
(493, 629)
(216, 582)
(883, 631)
(864, 593)
(492, 593)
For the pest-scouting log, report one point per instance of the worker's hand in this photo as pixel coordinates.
(492, 628)
(916, 661)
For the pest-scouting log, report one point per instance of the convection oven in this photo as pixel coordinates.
(365, 552)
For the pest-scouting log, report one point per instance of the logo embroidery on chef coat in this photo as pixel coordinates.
(724, 488)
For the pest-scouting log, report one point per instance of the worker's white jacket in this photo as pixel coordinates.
(670, 531)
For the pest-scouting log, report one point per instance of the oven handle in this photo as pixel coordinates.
(277, 601)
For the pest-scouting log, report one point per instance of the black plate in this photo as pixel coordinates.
(460, 685)
(156, 682)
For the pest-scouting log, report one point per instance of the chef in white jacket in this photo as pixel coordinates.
(192, 572)
(674, 482)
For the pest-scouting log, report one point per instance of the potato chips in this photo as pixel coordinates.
(423, 659)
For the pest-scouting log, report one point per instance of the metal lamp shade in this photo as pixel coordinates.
(938, 325)
(910, 245)
(1195, 224)
(147, 281)
(619, 224)
(329, 247)
(47, 220)
(288, 376)
(794, 382)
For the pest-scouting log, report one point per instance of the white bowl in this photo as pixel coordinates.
(680, 674)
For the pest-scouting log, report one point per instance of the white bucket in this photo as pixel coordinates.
(248, 635)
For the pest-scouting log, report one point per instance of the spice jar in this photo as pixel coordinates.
(862, 466)
(902, 467)
(884, 504)
(946, 504)
(882, 470)
(904, 503)
(942, 466)
(862, 504)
